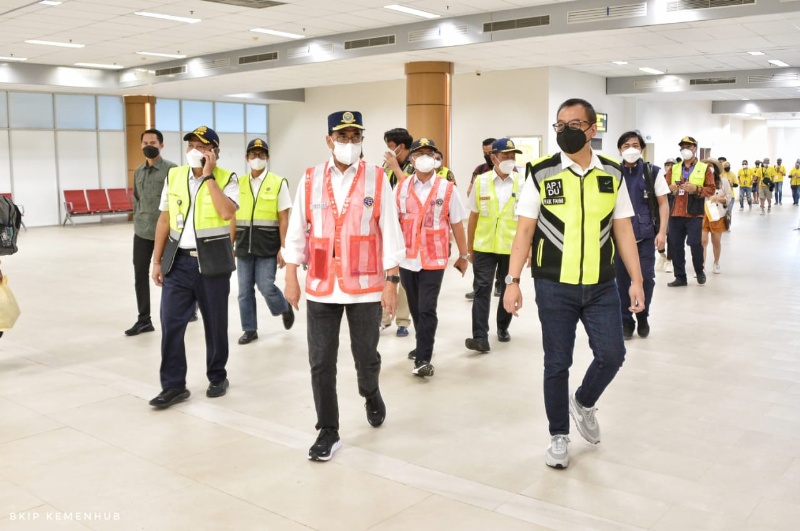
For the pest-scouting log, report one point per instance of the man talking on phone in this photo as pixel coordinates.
(569, 210)
(429, 208)
(193, 262)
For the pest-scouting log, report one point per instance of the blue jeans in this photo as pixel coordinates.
(745, 191)
(647, 263)
(258, 271)
(795, 194)
(779, 192)
(561, 306)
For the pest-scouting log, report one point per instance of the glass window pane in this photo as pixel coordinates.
(3, 109)
(75, 111)
(257, 119)
(229, 117)
(30, 110)
(197, 113)
(168, 115)
(109, 109)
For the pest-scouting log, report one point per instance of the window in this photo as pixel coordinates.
(197, 113)
(168, 115)
(75, 111)
(110, 114)
(3, 109)
(30, 110)
(229, 117)
(257, 119)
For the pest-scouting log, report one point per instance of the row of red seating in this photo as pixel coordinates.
(97, 201)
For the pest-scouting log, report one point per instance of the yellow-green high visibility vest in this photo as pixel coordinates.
(697, 177)
(257, 227)
(496, 228)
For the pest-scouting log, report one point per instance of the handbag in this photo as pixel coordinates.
(712, 211)
(9, 309)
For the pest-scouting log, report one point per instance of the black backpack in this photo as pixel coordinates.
(10, 221)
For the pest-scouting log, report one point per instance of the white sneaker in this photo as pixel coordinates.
(584, 420)
(557, 455)
(668, 267)
(716, 268)
(662, 262)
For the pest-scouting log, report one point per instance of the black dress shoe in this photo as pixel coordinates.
(503, 336)
(376, 409)
(167, 397)
(288, 318)
(701, 278)
(140, 328)
(480, 344)
(677, 283)
(470, 296)
(643, 328)
(627, 331)
(248, 337)
(412, 355)
(216, 390)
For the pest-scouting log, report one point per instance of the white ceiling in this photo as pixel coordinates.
(112, 34)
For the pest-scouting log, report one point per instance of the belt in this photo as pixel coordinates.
(188, 252)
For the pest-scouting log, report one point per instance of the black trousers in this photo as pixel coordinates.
(422, 288)
(324, 322)
(683, 231)
(485, 268)
(142, 254)
(184, 288)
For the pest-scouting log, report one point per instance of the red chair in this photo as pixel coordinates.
(119, 201)
(75, 205)
(20, 207)
(98, 201)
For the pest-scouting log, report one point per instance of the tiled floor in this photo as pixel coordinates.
(701, 428)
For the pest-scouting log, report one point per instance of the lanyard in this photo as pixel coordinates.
(336, 216)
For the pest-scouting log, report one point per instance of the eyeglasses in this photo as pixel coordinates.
(575, 125)
(355, 139)
(256, 155)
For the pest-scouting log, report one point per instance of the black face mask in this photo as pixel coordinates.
(150, 152)
(727, 168)
(488, 159)
(571, 140)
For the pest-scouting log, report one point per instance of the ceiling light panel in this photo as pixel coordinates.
(411, 11)
(4, 58)
(168, 55)
(53, 43)
(277, 33)
(187, 20)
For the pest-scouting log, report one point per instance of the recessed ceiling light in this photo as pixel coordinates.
(649, 70)
(411, 11)
(756, 53)
(620, 62)
(777, 62)
(169, 55)
(4, 58)
(278, 33)
(51, 43)
(167, 17)
(745, 99)
(50, 3)
(100, 65)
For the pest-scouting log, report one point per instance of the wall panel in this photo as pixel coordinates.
(33, 159)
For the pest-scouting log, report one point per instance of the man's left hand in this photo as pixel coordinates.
(636, 293)
(389, 299)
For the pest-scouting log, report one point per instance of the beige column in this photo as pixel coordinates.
(140, 115)
(428, 95)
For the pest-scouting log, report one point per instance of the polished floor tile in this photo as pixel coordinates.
(700, 429)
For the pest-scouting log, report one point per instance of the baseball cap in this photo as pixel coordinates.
(344, 119)
(423, 143)
(205, 134)
(504, 145)
(688, 140)
(257, 143)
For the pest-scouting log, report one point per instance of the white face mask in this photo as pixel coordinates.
(257, 164)
(437, 164)
(507, 166)
(631, 155)
(424, 164)
(346, 153)
(687, 154)
(195, 158)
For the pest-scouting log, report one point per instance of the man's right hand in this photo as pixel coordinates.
(157, 277)
(292, 291)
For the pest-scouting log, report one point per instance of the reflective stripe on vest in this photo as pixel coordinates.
(496, 228)
(344, 244)
(426, 226)
(697, 177)
(572, 243)
(207, 221)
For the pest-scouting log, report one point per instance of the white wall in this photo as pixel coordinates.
(33, 158)
(111, 146)
(5, 163)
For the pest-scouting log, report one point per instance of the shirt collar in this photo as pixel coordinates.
(352, 169)
(568, 163)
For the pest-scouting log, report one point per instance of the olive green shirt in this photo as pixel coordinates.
(148, 182)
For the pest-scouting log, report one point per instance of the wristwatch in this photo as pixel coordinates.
(394, 279)
(464, 256)
(511, 280)
(207, 177)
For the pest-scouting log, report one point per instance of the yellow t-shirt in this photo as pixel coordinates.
(795, 176)
(780, 173)
(746, 177)
(770, 174)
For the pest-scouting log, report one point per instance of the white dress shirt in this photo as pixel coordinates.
(456, 212)
(530, 202)
(297, 232)
(284, 197)
(188, 240)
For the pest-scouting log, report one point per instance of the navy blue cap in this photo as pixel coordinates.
(345, 119)
(504, 145)
(423, 143)
(206, 135)
(257, 143)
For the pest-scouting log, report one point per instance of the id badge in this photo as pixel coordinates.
(428, 222)
(646, 195)
(681, 191)
(179, 221)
